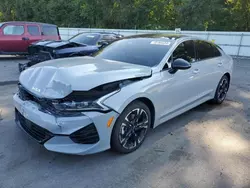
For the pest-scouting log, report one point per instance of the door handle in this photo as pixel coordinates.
(220, 64)
(196, 71)
(25, 38)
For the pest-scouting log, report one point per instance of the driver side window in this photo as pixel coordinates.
(184, 51)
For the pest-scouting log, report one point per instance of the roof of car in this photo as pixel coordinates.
(157, 35)
(24, 22)
(102, 32)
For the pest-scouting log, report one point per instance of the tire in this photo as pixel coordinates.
(221, 91)
(128, 135)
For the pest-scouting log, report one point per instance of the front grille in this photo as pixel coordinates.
(86, 135)
(23, 94)
(45, 104)
(38, 133)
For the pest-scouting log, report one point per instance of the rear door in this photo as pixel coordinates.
(33, 33)
(50, 32)
(12, 39)
(208, 66)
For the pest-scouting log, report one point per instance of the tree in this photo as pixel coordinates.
(239, 14)
(129, 14)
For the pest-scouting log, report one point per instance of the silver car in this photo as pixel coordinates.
(85, 105)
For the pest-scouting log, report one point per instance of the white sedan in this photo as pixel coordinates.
(85, 105)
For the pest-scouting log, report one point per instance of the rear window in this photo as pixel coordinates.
(13, 30)
(206, 50)
(33, 30)
(49, 30)
(140, 51)
(86, 38)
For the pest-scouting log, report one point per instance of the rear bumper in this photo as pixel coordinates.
(59, 130)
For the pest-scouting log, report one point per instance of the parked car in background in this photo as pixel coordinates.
(80, 45)
(15, 37)
(84, 105)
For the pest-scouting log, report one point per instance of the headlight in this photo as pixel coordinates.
(79, 106)
(87, 100)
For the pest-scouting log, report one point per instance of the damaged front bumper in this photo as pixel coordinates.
(85, 134)
(40, 57)
(24, 66)
(35, 59)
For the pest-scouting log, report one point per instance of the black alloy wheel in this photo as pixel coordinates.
(131, 128)
(221, 91)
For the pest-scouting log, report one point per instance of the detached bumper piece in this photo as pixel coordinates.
(86, 135)
(38, 133)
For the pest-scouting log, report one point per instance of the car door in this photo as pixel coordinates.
(179, 91)
(33, 33)
(208, 64)
(12, 38)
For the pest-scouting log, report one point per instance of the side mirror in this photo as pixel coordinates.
(179, 64)
(102, 43)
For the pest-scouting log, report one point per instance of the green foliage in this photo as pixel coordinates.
(130, 14)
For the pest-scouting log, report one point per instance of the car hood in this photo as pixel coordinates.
(56, 79)
(55, 44)
(87, 49)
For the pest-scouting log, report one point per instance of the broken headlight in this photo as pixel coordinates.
(86, 100)
(79, 106)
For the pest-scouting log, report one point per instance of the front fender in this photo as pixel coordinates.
(122, 99)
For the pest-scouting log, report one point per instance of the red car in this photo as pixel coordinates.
(15, 37)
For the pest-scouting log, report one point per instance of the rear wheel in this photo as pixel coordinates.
(221, 91)
(131, 128)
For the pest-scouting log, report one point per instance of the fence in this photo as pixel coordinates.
(233, 43)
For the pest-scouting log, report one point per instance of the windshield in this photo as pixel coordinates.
(140, 51)
(86, 38)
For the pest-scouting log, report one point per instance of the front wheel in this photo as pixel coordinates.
(221, 91)
(131, 128)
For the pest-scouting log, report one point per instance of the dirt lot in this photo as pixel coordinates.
(206, 147)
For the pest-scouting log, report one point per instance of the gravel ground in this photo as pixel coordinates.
(206, 147)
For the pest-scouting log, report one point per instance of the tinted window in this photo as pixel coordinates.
(216, 51)
(141, 51)
(33, 30)
(86, 38)
(206, 50)
(50, 30)
(108, 37)
(185, 51)
(13, 30)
